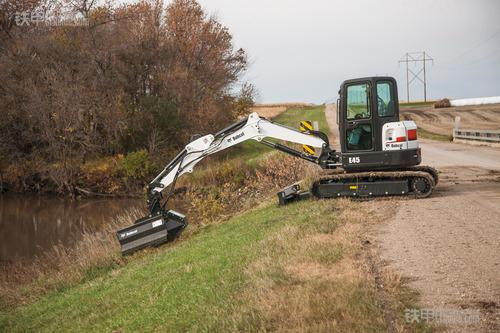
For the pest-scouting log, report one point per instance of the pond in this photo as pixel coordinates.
(30, 225)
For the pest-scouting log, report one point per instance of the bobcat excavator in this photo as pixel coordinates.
(379, 156)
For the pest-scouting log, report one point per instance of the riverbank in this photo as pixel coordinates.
(212, 195)
(111, 176)
(217, 190)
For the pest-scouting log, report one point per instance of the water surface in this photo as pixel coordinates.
(29, 225)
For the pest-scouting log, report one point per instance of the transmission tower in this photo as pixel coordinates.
(417, 58)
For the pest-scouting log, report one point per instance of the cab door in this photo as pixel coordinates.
(356, 125)
(365, 106)
(386, 107)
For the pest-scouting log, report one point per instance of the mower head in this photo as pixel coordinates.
(292, 193)
(153, 230)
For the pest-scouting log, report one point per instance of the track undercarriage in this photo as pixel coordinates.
(417, 181)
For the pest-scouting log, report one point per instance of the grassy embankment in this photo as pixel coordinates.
(294, 268)
(220, 188)
(297, 268)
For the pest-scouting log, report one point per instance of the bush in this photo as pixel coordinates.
(443, 103)
(136, 165)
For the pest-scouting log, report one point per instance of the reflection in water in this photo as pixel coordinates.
(29, 225)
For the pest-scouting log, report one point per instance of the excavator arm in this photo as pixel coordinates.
(252, 128)
(162, 224)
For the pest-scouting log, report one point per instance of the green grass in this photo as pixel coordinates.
(173, 288)
(413, 104)
(293, 117)
(177, 288)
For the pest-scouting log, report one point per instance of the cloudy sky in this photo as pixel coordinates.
(303, 50)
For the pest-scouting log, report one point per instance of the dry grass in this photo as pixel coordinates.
(442, 103)
(310, 278)
(316, 277)
(234, 186)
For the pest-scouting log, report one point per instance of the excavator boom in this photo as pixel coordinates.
(162, 224)
(252, 128)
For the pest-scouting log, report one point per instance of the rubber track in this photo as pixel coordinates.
(425, 168)
(420, 171)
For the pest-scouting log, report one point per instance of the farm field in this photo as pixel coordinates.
(441, 121)
(272, 110)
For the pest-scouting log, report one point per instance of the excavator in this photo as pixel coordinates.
(379, 156)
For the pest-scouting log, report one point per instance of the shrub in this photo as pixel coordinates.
(136, 165)
(443, 103)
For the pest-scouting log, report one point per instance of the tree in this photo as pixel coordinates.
(137, 76)
(205, 65)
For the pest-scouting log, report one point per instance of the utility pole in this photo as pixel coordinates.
(416, 58)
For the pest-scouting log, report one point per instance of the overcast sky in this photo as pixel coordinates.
(303, 50)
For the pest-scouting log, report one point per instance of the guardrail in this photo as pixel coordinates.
(476, 135)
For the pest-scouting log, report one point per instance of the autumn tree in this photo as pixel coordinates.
(136, 76)
(205, 66)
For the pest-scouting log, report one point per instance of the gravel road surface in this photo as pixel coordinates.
(449, 244)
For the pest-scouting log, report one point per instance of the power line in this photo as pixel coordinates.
(475, 46)
(416, 58)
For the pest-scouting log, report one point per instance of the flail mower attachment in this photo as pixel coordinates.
(153, 230)
(292, 193)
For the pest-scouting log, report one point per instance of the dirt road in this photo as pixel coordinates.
(449, 244)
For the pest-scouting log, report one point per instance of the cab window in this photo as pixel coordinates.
(358, 106)
(385, 99)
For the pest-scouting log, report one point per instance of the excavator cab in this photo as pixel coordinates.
(368, 117)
